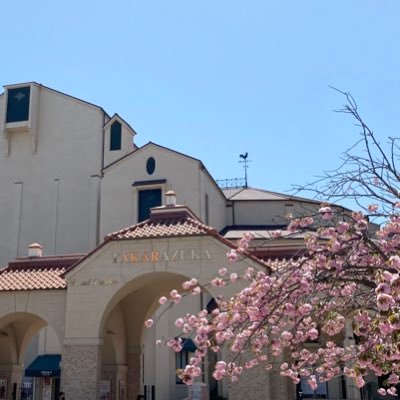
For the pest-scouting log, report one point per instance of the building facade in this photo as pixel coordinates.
(104, 246)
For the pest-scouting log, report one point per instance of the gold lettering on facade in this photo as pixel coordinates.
(92, 282)
(195, 255)
(155, 256)
(174, 255)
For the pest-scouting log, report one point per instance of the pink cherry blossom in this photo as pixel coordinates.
(148, 323)
(347, 278)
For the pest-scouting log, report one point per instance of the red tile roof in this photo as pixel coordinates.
(163, 228)
(37, 273)
(175, 221)
(163, 222)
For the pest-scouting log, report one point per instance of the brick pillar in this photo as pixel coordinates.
(122, 374)
(253, 384)
(133, 375)
(17, 374)
(117, 375)
(13, 373)
(81, 371)
(280, 387)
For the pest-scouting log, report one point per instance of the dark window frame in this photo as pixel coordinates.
(18, 104)
(150, 165)
(304, 391)
(154, 199)
(115, 136)
(181, 360)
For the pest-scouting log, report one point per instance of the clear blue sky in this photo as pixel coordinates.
(217, 78)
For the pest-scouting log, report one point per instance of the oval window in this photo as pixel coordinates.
(150, 165)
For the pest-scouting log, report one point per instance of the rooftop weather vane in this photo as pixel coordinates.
(245, 166)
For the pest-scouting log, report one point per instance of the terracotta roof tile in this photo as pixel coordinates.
(185, 226)
(30, 279)
(36, 273)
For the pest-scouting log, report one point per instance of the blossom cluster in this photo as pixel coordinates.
(306, 309)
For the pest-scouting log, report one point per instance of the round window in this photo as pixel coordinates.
(150, 165)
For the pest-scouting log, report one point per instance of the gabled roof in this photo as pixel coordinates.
(260, 194)
(117, 117)
(55, 91)
(149, 144)
(167, 221)
(162, 223)
(37, 273)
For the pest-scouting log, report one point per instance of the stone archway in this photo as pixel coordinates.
(110, 294)
(122, 333)
(17, 330)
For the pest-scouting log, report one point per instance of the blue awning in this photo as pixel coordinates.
(45, 365)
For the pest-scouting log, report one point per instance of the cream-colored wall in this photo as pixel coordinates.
(121, 278)
(269, 212)
(127, 136)
(28, 313)
(119, 200)
(158, 357)
(49, 341)
(216, 204)
(99, 283)
(49, 196)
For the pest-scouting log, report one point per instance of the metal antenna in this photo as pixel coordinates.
(245, 166)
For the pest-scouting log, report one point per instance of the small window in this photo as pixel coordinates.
(115, 136)
(207, 210)
(148, 199)
(18, 104)
(211, 305)
(151, 165)
(182, 357)
(306, 392)
(181, 360)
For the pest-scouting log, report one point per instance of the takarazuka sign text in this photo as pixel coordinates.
(159, 256)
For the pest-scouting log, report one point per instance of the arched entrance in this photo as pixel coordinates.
(130, 360)
(22, 336)
(117, 286)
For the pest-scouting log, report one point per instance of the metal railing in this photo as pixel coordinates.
(234, 183)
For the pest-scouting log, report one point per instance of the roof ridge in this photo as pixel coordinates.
(133, 227)
(201, 224)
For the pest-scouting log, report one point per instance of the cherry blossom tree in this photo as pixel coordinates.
(368, 172)
(345, 282)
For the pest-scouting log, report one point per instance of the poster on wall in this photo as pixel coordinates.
(104, 390)
(3, 389)
(121, 390)
(27, 388)
(46, 392)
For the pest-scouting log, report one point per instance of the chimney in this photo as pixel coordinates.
(35, 250)
(170, 198)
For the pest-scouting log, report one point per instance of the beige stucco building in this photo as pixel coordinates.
(74, 182)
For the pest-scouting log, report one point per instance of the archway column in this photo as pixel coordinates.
(13, 373)
(352, 391)
(81, 364)
(133, 376)
(117, 375)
